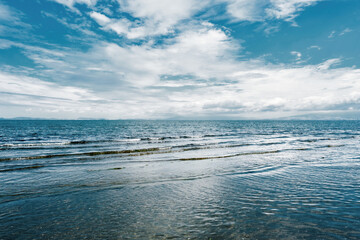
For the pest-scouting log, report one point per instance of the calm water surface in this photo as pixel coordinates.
(179, 180)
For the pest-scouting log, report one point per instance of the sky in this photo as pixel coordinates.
(179, 59)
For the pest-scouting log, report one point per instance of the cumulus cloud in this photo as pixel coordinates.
(202, 53)
(194, 72)
(194, 52)
(194, 75)
(291, 90)
(120, 74)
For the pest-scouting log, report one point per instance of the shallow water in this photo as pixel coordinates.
(179, 179)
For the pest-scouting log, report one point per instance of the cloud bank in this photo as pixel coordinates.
(164, 59)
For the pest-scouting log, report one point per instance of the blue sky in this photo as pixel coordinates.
(185, 59)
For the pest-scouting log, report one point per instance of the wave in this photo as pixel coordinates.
(255, 153)
(268, 143)
(85, 142)
(165, 138)
(228, 156)
(169, 149)
(34, 145)
(65, 143)
(311, 140)
(331, 146)
(130, 151)
(22, 168)
(15, 145)
(185, 137)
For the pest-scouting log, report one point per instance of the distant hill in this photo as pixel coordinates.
(26, 118)
(354, 115)
(326, 116)
(30, 118)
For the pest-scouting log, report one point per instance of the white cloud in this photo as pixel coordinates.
(71, 3)
(34, 97)
(119, 26)
(160, 10)
(9, 15)
(287, 9)
(245, 10)
(11, 24)
(296, 54)
(121, 74)
(346, 30)
(195, 74)
(335, 34)
(161, 17)
(292, 90)
(259, 10)
(156, 17)
(100, 18)
(14, 84)
(4, 44)
(81, 25)
(315, 47)
(328, 63)
(194, 52)
(332, 34)
(5, 13)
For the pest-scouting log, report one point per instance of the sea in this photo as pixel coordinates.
(135, 179)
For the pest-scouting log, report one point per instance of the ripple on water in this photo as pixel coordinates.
(191, 179)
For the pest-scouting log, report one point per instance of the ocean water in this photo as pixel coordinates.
(179, 180)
